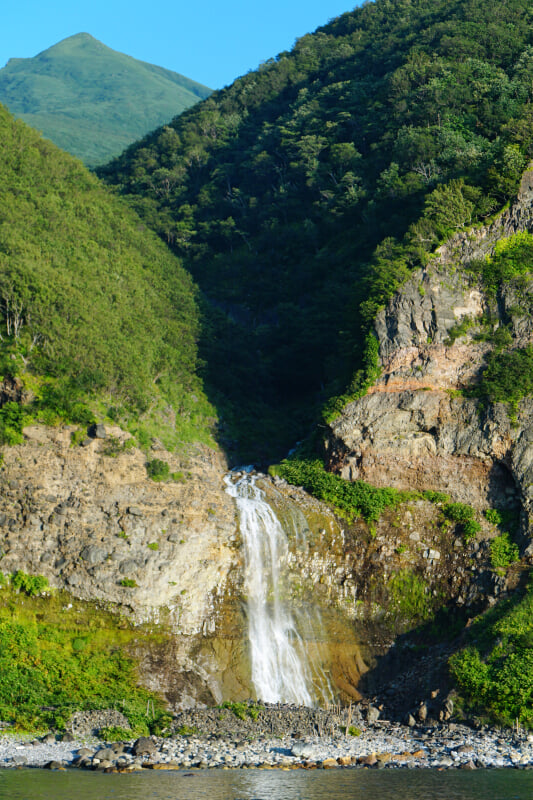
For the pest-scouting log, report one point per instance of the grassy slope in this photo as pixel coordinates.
(93, 101)
(59, 655)
(107, 311)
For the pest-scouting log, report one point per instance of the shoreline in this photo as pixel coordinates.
(380, 745)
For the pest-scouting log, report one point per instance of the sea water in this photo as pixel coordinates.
(252, 784)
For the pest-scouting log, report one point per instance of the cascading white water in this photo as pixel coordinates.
(281, 672)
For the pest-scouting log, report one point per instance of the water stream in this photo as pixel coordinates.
(282, 671)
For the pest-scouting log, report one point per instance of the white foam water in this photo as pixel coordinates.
(281, 672)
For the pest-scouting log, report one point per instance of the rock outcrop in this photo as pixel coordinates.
(415, 428)
(90, 519)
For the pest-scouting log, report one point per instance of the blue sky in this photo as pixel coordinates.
(212, 42)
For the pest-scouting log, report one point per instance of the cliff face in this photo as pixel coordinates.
(414, 429)
(89, 518)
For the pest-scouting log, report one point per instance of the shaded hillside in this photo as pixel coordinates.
(93, 305)
(93, 101)
(304, 193)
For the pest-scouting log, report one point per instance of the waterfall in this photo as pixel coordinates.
(281, 669)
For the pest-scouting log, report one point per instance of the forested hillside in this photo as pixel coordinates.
(97, 315)
(302, 195)
(93, 101)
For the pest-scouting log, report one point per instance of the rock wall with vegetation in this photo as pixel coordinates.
(450, 409)
(90, 521)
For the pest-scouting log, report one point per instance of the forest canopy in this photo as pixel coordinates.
(91, 301)
(302, 195)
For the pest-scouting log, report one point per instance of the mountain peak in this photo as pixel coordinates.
(91, 100)
(70, 44)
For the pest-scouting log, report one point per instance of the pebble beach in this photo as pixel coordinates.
(381, 745)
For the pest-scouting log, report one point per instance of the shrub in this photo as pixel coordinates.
(353, 731)
(113, 447)
(494, 673)
(186, 730)
(161, 725)
(493, 516)
(471, 528)
(12, 418)
(129, 583)
(243, 710)
(509, 376)
(512, 260)
(115, 733)
(31, 585)
(459, 329)
(157, 469)
(435, 497)
(463, 515)
(351, 498)
(61, 399)
(503, 551)
(458, 512)
(77, 437)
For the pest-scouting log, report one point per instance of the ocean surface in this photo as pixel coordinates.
(34, 784)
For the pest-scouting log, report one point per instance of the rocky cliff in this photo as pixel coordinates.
(167, 555)
(417, 427)
(91, 520)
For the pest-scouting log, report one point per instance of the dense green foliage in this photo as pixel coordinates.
(54, 662)
(91, 100)
(302, 195)
(352, 499)
(90, 301)
(244, 710)
(361, 381)
(464, 516)
(157, 469)
(511, 261)
(503, 551)
(494, 674)
(31, 585)
(458, 512)
(509, 376)
(12, 418)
